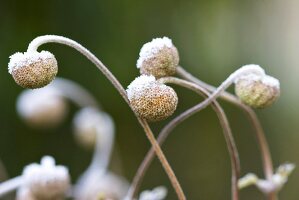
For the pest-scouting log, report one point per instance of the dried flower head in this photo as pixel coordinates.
(33, 69)
(86, 124)
(150, 99)
(43, 107)
(257, 91)
(46, 180)
(158, 58)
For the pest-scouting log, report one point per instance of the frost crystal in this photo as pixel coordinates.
(19, 59)
(151, 48)
(139, 84)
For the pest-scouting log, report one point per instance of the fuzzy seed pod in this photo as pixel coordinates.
(46, 180)
(33, 69)
(43, 107)
(257, 91)
(158, 58)
(97, 186)
(150, 99)
(85, 125)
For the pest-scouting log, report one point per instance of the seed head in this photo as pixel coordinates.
(33, 69)
(46, 180)
(101, 186)
(86, 124)
(158, 58)
(150, 99)
(257, 91)
(43, 107)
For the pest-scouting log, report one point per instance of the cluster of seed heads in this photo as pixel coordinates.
(150, 99)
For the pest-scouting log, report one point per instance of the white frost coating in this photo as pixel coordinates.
(27, 58)
(266, 79)
(46, 179)
(252, 70)
(158, 193)
(149, 49)
(271, 81)
(139, 84)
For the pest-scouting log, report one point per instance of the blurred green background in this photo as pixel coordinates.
(214, 38)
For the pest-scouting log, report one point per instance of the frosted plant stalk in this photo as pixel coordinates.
(33, 46)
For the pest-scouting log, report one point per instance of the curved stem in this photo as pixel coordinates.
(33, 46)
(259, 132)
(233, 152)
(10, 185)
(74, 92)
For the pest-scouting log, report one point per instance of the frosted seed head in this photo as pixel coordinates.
(257, 91)
(42, 108)
(158, 58)
(150, 99)
(46, 180)
(33, 69)
(86, 124)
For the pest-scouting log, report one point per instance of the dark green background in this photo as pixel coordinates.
(214, 38)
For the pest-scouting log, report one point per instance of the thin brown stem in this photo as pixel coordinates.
(259, 132)
(170, 126)
(33, 46)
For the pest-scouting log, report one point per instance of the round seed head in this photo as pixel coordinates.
(101, 186)
(46, 180)
(43, 107)
(150, 99)
(257, 91)
(33, 69)
(158, 58)
(86, 124)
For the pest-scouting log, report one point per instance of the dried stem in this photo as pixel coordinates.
(259, 132)
(170, 126)
(33, 46)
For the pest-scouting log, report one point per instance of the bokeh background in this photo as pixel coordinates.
(214, 38)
